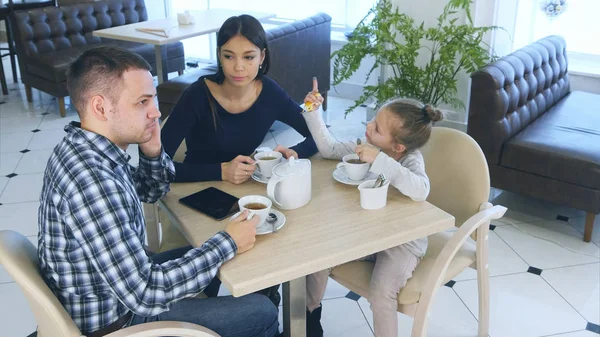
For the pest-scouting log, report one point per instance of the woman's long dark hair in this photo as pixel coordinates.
(250, 28)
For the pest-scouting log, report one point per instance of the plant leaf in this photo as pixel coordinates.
(424, 60)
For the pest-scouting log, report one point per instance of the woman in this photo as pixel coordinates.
(224, 117)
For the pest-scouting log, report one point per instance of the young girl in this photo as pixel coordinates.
(393, 140)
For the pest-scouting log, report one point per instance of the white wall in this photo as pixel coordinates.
(353, 87)
(428, 11)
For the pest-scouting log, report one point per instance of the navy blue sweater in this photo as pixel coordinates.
(235, 134)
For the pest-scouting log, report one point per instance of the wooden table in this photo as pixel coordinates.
(207, 21)
(332, 229)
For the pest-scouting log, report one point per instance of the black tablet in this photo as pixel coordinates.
(212, 202)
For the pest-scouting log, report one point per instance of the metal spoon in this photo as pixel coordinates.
(380, 180)
(383, 181)
(272, 219)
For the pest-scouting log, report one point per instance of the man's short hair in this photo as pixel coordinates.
(100, 70)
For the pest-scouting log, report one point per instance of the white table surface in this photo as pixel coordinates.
(207, 21)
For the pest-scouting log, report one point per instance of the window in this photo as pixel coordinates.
(578, 24)
(344, 13)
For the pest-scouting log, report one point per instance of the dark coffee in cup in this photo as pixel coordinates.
(355, 161)
(255, 206)
(267, 158)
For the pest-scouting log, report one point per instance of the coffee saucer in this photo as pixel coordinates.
(260, 178)
(267, 228)
(340, 175)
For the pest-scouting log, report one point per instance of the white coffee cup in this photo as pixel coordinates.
(266, 161)
(263, 213)
(373, 198)
(354, 171)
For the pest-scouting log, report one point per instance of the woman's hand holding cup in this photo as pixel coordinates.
(238, 170)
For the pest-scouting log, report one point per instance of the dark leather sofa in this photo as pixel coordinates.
(48, 39)
(540, 138)
(299, 51)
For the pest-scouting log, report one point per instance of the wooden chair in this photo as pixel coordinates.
(460, 185)
(19, 258)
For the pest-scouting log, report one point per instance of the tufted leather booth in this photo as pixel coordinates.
(72, 2)
(540, 139)
(48, 39)
(299, 51)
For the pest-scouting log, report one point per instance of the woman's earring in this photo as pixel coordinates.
(260, 66)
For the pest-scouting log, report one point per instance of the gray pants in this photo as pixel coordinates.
(393, 268)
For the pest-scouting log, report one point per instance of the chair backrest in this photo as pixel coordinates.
(287, 45)
(458, 173)
(73, 2)
(50, 29)
(19, 258)
(510, 93)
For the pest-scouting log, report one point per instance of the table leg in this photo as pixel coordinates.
(3, 79)
(162, 72)
(294, 308)
(11, 49)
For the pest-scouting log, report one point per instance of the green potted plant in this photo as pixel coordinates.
(396, 42)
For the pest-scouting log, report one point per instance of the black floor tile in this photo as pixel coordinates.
(450, 284)
(534, 270)
(593, 327)
(353, 296)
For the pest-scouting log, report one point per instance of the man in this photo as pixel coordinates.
(91, 225)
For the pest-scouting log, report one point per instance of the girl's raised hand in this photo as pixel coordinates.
(313, 99)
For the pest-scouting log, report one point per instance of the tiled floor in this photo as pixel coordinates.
(538, 288)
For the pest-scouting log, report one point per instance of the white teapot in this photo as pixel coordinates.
(290, 186)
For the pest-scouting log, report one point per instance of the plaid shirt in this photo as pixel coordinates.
(92, 231)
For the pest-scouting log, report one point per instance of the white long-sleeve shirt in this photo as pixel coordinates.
(406, 175)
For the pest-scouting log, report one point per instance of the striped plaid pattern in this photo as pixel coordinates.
(92, 233)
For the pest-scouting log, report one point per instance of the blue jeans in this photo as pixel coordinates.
(247, 316)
